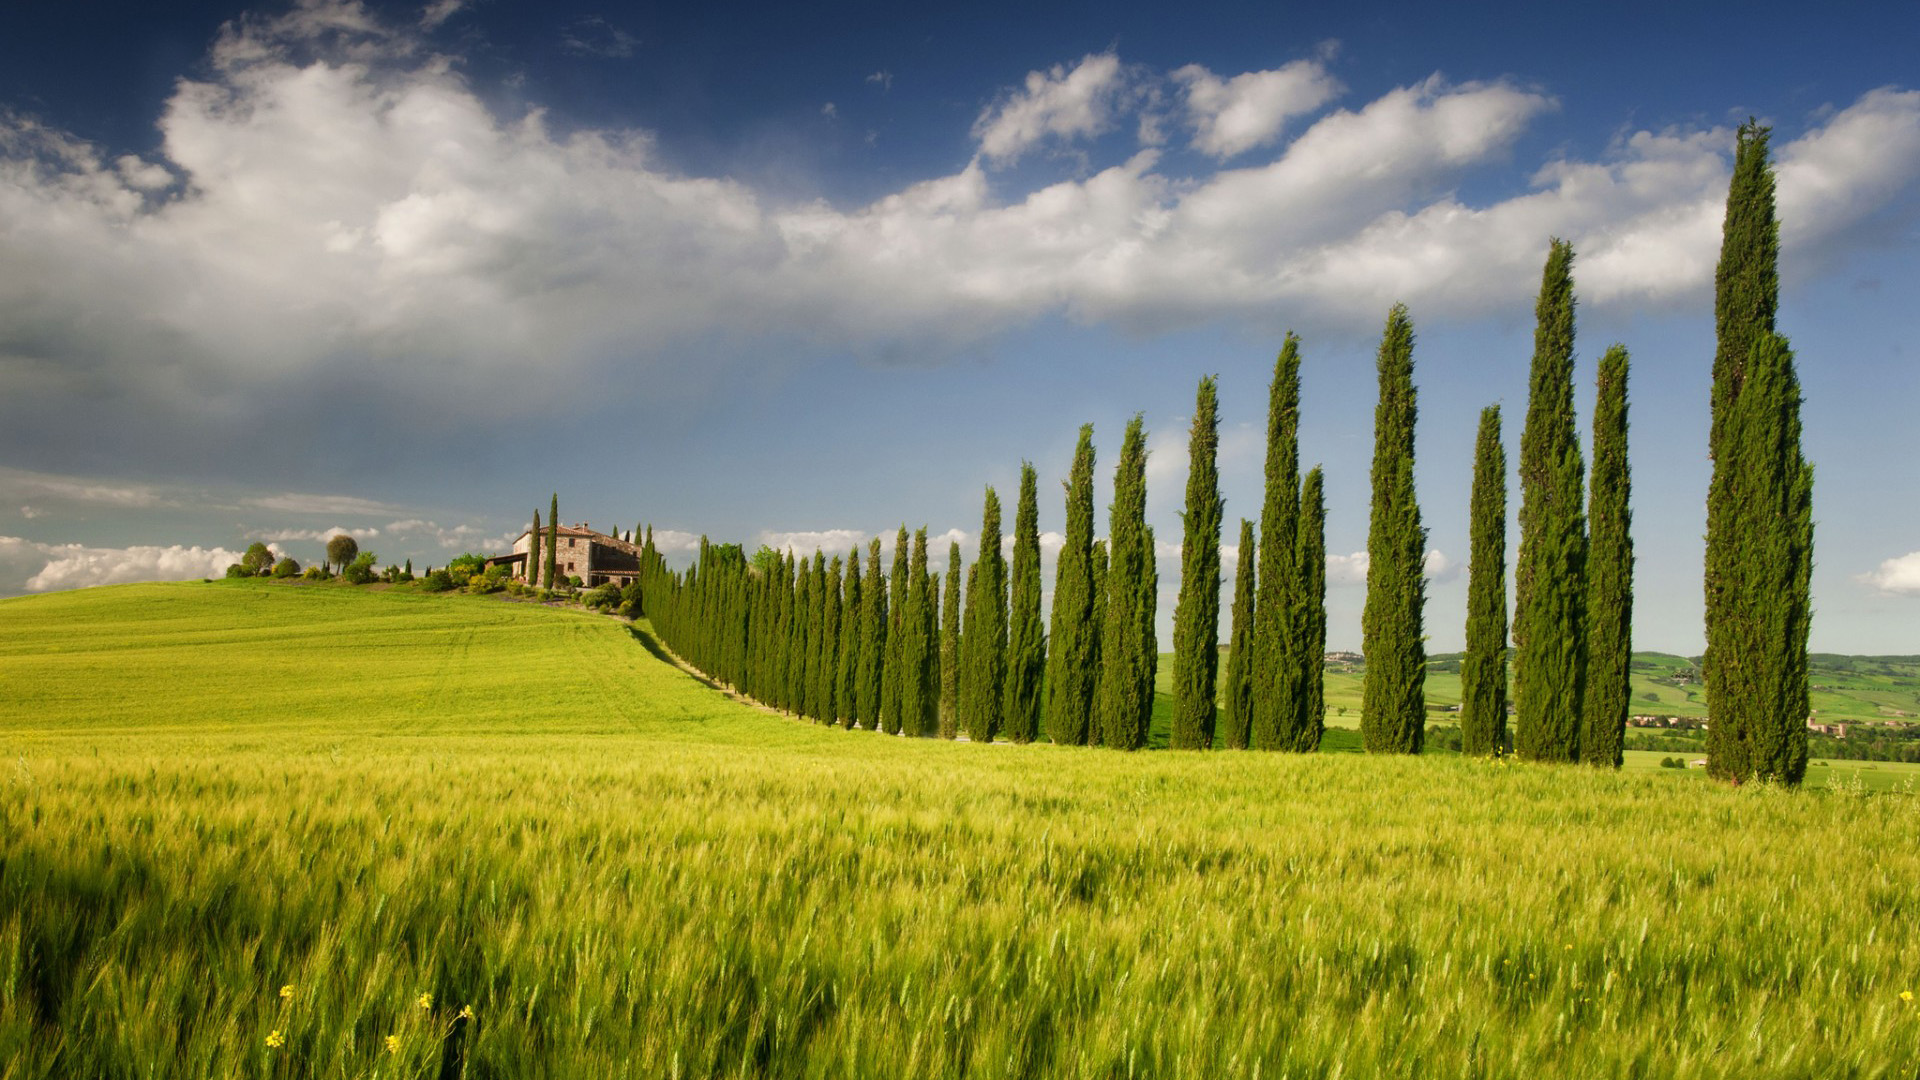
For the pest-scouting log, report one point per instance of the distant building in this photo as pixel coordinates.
(593, 557)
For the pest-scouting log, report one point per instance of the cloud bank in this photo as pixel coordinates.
(335, 210)
(37, 567)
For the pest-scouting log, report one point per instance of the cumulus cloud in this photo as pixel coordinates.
(457, 536)
(334, 210)
(593, 35)
(1899, 575)
(1351, 569)
(1063, 103)
(829, 542)
(35, 567)
(1232, 116)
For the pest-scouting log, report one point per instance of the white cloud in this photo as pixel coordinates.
(366, 221)
(35, 567)
(19, 483)
(32, 512)
(593, 35)
(318, 535)
(321, 504)
(1064, 103)
(882, 79)
(828, 542)
(471, 537)
(1232, 116)
(1900, 575)
(1352, 569)
(439, 11)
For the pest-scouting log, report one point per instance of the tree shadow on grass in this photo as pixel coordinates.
(658, 651)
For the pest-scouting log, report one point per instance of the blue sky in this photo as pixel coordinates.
(796, 275)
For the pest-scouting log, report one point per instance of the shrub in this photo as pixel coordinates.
(360, 571)
(604, 598)
(438, 581)
(318, 572)
(286, 568)
(235, 570)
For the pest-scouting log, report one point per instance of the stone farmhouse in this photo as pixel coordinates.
(594, 557)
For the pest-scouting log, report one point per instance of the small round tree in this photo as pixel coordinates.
(258, 560)
(341, 550)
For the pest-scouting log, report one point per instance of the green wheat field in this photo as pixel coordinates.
(262, 830)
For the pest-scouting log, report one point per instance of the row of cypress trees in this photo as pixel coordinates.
(907, 659)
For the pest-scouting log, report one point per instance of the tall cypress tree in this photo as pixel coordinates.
(553, 539)
(1759, 505)
(1076, 609)
(533, 551)
(1550, 578)
(917, 695)
(930, 633)
(984, 646)
(1483, 670)
(890, 718)
(873, 641)
(830, 645)
(1096, 632)
(1275, 696)
(1117, 703)
(1310, 622)
(950, 646)
(1393, 693)
(846, 678)
(1196, 615)
(1609, 572)
(1239, 688)
(1026, 637)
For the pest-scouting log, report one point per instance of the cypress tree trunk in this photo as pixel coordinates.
(916, 645)
(1393, 699)
(1275, 696)
(950, 646)
(1070, 660)
(1550, 578)
(846, 679)
(1609, 572)
(1759, 507)
(1026, 637)
(1483, 670)
(890, 718)
(1117, 705)
(984, 647)
(873, 641)
(553, 538)
(1196, 617)
(533, 552)
(1239, 689)
(1310, 634)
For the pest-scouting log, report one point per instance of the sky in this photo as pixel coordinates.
(796, 275)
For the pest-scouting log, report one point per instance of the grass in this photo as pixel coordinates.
(216, 791)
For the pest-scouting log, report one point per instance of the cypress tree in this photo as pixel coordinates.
(930, 634)
(1196, 615)
(1759, 505)
(533, 550)
(830, 646)
(873, 641)
(846, 673)
(1096, 632)
(1483, 670)
(890, 720)
(1239, 689)
(984, 647)
(1393, 699)
(950, 646)
(1026, 637)
(1609, 572)
(1550, 577)
(553, 538)
(1120, 698)
(1076, 609)
(1275, 695)
(1145, 606)
(806, 631)
(1310, 625)
(916, 646)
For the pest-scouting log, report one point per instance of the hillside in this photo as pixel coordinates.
(257, 829)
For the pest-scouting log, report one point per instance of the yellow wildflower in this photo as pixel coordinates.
(286, 992)
(466, 1012)
(275, 1040)
(425, 1001)
(1906, 995)
(393, 1044)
